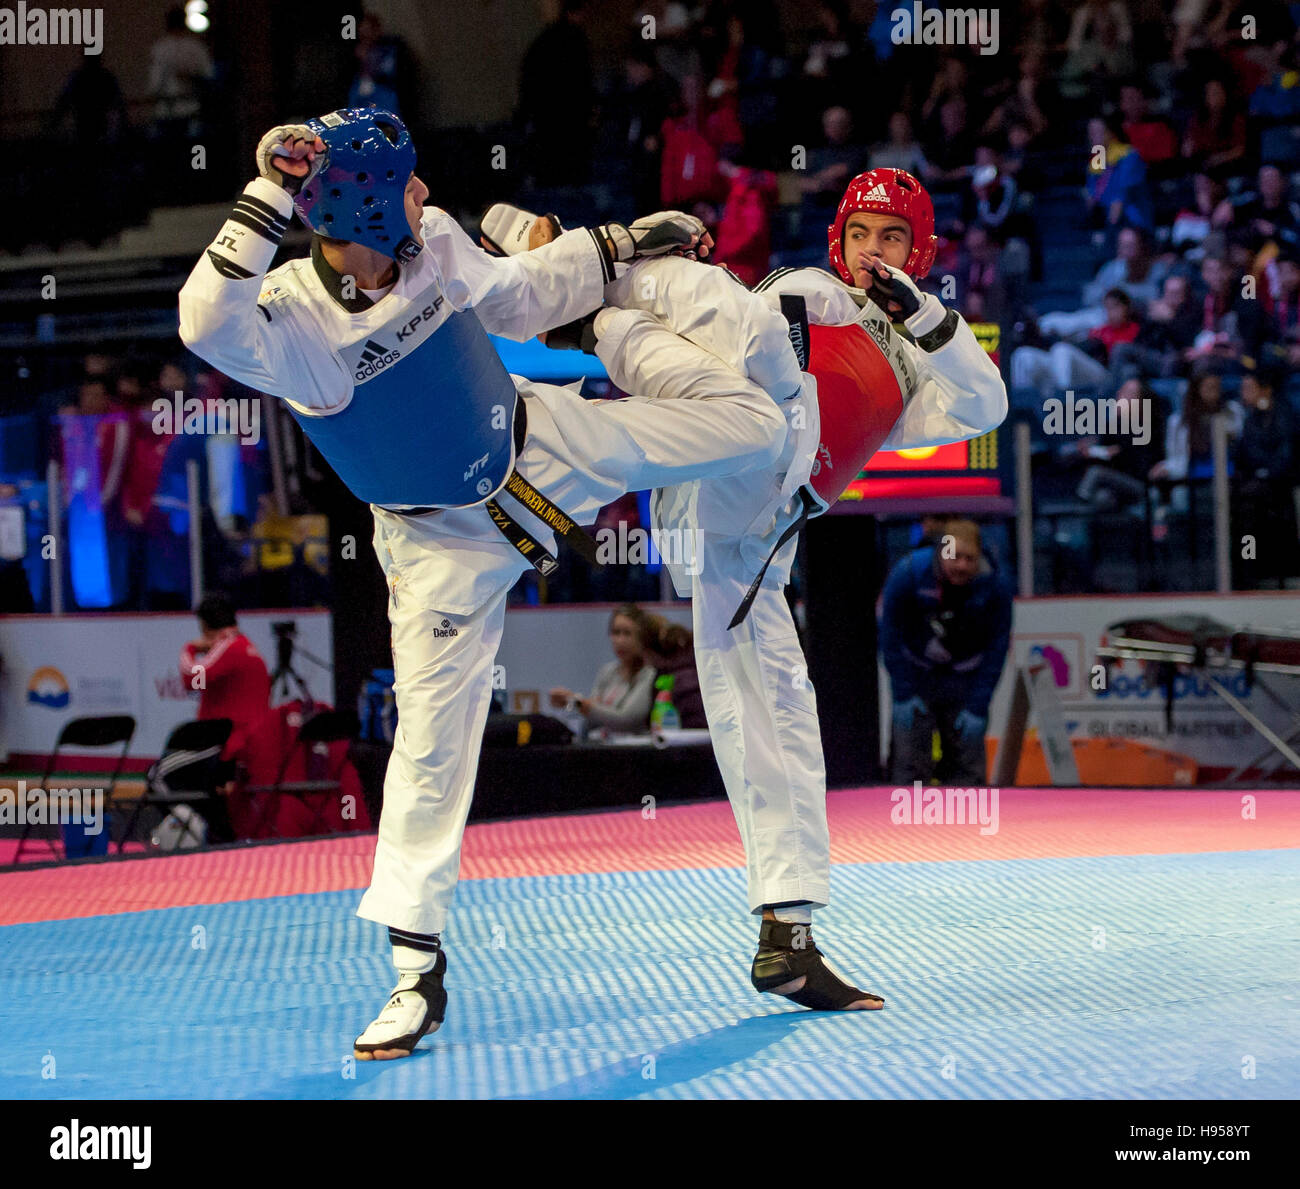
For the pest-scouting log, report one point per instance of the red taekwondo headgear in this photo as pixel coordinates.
(888, 192)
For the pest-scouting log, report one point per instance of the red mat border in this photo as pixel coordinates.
(1033, 824)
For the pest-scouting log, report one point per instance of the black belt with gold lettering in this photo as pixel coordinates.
(532, 499)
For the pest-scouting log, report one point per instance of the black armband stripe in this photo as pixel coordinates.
(941, 334)
(272, 222)
(238, 216)
(405, 935)
(771, 277)
(606, 260)
(264, 207)
(228, 268)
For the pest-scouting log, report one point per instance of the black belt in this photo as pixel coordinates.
(553, 517)
(808, 503)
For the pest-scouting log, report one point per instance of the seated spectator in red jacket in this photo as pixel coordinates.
(1120, 325)
(1153, 138)
(745, 229)
(1064, 365)
(227, 670)
(688, 166)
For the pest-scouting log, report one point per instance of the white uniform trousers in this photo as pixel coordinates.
(761, 707)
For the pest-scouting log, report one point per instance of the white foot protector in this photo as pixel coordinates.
(416, 1008)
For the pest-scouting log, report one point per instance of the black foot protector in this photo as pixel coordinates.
(785, 952)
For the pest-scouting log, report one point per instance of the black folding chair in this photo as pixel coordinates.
(105, 731)
(188, 772)
(323, 778)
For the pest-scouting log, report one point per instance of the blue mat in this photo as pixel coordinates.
(1171, 976)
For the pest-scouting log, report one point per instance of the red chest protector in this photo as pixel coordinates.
(863, 379)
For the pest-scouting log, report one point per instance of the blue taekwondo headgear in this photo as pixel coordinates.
(358, 193)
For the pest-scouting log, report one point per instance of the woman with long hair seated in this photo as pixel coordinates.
(620, 699)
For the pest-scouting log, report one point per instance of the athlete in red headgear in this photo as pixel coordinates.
(849, 384)
(883, 208)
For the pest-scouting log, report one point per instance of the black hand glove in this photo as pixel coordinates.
(896, 293)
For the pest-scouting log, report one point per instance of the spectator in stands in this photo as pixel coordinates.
(1118, 464)
(670, 652)
(722, 122)
(1215, 139)
(1100, 49)
(830, 58)
(1167, 334)
(1264, 215)
(689, 163)
(979, 271)
(901, 151)
(952, 149)
(1264, 475)
(1188, 443)
(1040, 24)
(1192, 224)
(385, 70)
(1065, 365)
(620, 699)
(1275, 107)
(1153, 138)
(831, 165)
(1117, 193)
(994, 193)
(179, 68)
(675, 44)
(1281, 301)
(1133, 269)
(945, 629)
(1231, 323)
(744, 238)
(557, 98)
(1025, 105)
(227, 670)
(1016, 160)
(951, 81)
(994, 203)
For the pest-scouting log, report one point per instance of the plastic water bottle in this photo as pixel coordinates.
(663, 714)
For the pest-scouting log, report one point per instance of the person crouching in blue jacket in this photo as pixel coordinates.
(945, 627)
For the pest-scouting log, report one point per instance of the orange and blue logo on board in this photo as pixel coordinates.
(48, 687)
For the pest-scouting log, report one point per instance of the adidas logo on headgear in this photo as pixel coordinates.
(877, 193)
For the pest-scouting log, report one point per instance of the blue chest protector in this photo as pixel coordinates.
(431, 416)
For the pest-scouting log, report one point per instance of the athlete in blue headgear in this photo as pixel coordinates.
(378, 343)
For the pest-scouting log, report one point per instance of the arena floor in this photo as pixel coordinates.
(1102, 944)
